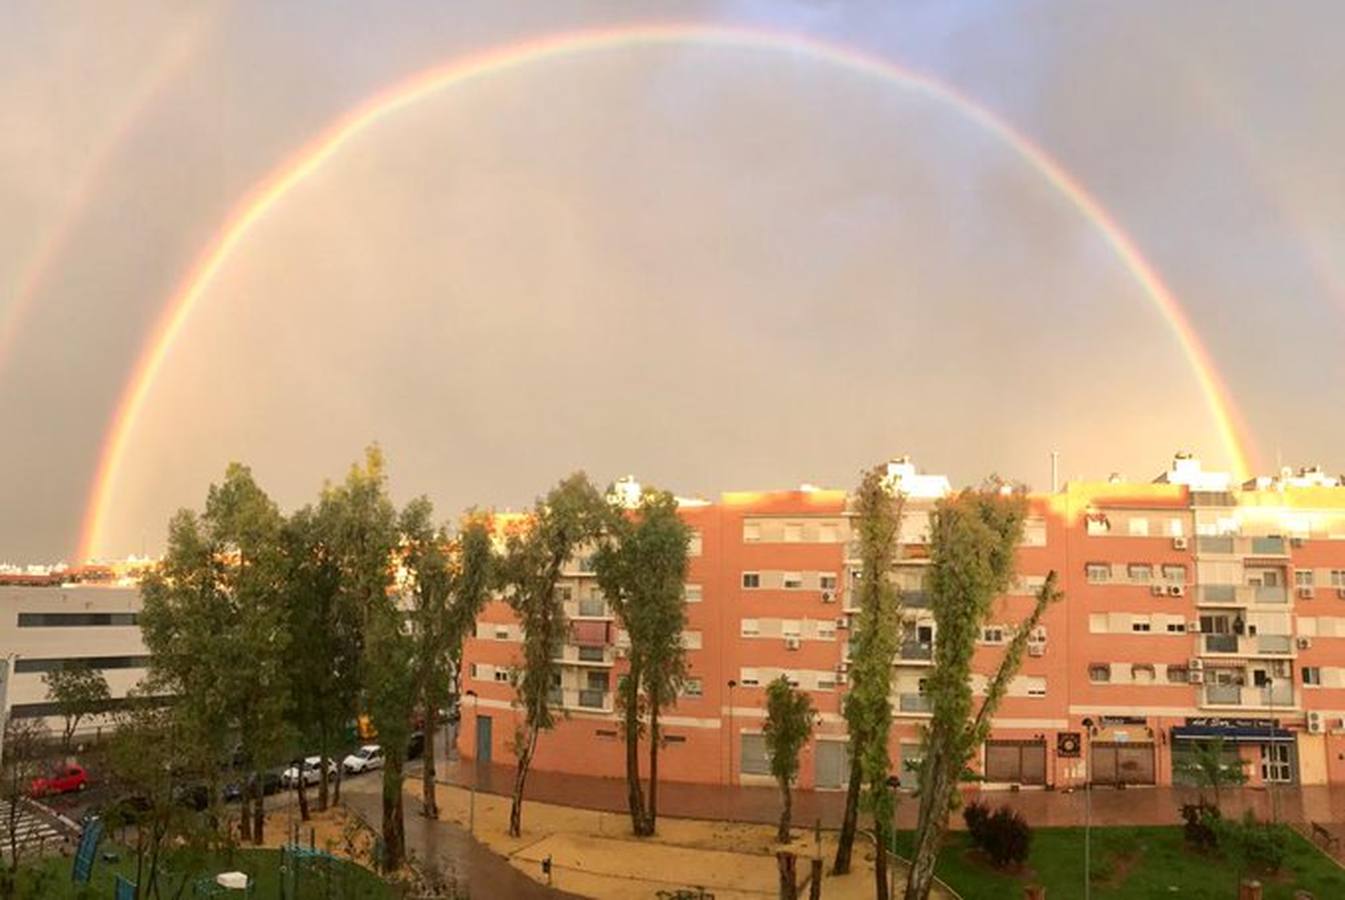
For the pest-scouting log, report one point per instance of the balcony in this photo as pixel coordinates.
(584, 655)
(1269, 546)
(920, 651)
(1221, 643)
(1223, 694)
(1210, 544)
(915, 599)
(1249, 697)
(1220, 595)
(592, 699)
(913, 703)
(593, 608)
(1274, 644)
(1276, 593)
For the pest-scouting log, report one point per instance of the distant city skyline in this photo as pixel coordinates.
(711, 261)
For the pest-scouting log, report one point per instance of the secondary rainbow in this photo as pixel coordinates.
(268, 193)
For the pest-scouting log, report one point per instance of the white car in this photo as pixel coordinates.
(312, 771)
(368, 757)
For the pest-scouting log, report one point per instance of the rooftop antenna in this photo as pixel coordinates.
(1055, 471)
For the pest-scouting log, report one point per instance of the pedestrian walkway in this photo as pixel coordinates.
(31, 830)
(1042, 808)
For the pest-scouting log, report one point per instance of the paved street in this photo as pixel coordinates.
(32, 829)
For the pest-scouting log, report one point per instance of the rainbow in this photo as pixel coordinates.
(267, 194)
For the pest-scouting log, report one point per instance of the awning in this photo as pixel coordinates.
(1232, 733)
(589, 634)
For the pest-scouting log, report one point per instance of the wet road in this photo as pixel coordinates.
(449, 846)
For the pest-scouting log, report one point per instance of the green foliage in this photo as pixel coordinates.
(788, 726)
(1210, 764)
(1003, 835)
(78, 691)
(1199, 830)
(1255, 847)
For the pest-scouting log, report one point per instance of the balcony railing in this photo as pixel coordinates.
(914, 703)
(1221, 643)
(920, 650)
(1274, 643)
(915, 599)
(1268, 546)
(1212, 544)
(1222, 594)
(591, 699)
(1227, 694)
(1276, 593)
(593, 608)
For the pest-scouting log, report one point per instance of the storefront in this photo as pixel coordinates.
(1122, 752)
(1266, 750)
(1015, 762)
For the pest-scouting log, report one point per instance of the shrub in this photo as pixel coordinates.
(1202, 825)
(1261, 846)
(1003, 835)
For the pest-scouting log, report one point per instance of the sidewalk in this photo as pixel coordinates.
(1110, 806)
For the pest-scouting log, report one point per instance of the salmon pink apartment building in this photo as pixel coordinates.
(1195, 606)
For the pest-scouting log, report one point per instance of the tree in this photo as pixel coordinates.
(789, 725)
(447, 582)
(867, 706)
(569, 517)
(78, 690)
(390, 694)
(213, 623)
(974, 538)
(641, 569)
(1209, 765)
(24, 742)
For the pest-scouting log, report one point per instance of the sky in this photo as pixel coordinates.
(713, 267)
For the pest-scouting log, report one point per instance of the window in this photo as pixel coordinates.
(76, 619)
(826, 629)
(1312, 675)
(692, 687)
(1036, 686)
(1176, 628)
(751, 580)
(754, 759)
(790, 628)
(1034, 532)
(597, 681)
(1098, 572)
(501, 632)
(751, 532)
(751, 628)
(674, 738)
(826, 582)
(1303, 577)
(827, 534)
(1178, 675)
(472, 670)
(1337, 580)
(1140, 625)
(591, 654)
(826, 682)
(1099, 673)
(1142, 673)
(93, 662)
(1175, 528)
(992, 634)
(692, 593)
(502, 674)
(793, 581)
(1175, 574)
(749, 678)
(1098, 523)
(565, 593)
(793, 533)
(1142, 572)
(1138, 527)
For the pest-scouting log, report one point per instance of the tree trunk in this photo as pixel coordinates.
(651, 813)
(520, 777)
(634, 789)
(302, 790)
(787, 864)
(336, 790)
(786, 810)
(322, 768)
(846, 842)
(394, 835)
(430, 802)
(245, 812)
(933, 822)
(258, 809)
(880, 891)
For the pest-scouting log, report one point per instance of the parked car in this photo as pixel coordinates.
(368, 757)
(270, 784)
(312, 767)
(416, 746)
(62, 780)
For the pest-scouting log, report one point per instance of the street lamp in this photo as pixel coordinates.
(893, 782)
(1087, 808)
(476, 763)
(732, 684)
(1270, 745)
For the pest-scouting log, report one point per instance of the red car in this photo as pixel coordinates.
(62, 781)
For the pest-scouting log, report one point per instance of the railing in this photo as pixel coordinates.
(593, 654)
(1279, 695)
(592, 607)
(1274, 643)
(914, 703)
(1227, 694)
(1277, 593)
(1221, 643)
(1268, 546)
(591, 699)
(1212, 544)
(915, 599)
(1217, 593)
(916, 650)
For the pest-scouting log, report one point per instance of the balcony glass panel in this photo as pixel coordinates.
(917, 650)
(592, 607)
(591, 699)
(1268, 546)
(1223, 693)
(1210, 544)
(592, 654)
(915, 703)
(556, 697)
(1275, 593)
(915, 599)
(1221, 643)
(1279, 695)
(1273, 643)
(1218, 593)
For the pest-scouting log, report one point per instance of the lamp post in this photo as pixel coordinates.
(732, 684)
(893, 782)
(1270, 745)
(1087, 807)
(476, 763)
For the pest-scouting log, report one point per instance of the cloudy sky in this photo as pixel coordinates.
(713, 266)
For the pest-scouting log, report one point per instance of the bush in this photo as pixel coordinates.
(1202, 825)
(1003, 835)
(1261, 846)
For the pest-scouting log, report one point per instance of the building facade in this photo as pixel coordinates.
(1194, 607)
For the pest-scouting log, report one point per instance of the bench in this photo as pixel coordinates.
(1323, 835)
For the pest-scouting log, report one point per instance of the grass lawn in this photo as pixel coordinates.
(1127, 863)
(349, 881)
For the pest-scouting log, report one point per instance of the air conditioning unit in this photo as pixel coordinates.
(1296, 542)
(1179, 543)
(1193, 626)
(1306, 592)
(1176, 590)
(1303, 643)
(793, 643)
(1157, 590)
(1195, 665)
(620, 652)
(1036, 649)
(842, 622)
(842, 678)
(1316, 725)
(828, 596)
(1195, 676)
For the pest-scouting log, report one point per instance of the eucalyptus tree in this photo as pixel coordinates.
(789, 725)
(974, 537)
(641, 567)
(877, 511)
(213, 622)
(571, 516)
(391, 669)
(78, 690)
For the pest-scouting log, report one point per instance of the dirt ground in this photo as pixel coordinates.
(594, 854)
